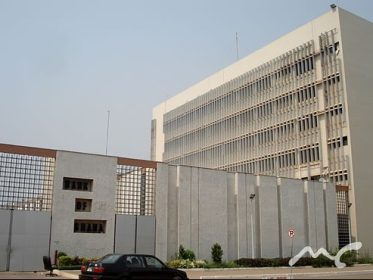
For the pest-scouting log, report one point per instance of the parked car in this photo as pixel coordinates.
(129, 266)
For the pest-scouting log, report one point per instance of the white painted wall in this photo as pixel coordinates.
(357, 51)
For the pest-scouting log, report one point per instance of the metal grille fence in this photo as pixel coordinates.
(343, 216)
(26, 182)
(136, 190)
(27, 178)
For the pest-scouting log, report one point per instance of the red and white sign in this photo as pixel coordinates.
(291, 233)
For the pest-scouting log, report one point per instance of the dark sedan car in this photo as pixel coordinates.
(129, 266)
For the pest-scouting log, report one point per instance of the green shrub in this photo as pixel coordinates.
(174, 263)
(76, 261)
(304, 261)
(280, 262)
(216, 253)
(181, 252)
(200, 263)
(221, 265)
(83, 260)
(322, 261)
(189, 255)
(364, 260)
(189, 262)
(69, 267)
(246, 262)
(60, 254)
(65, 261)
(349, 258)
(186, 254)
(180, 263)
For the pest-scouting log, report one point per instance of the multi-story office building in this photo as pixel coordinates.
(299, 107)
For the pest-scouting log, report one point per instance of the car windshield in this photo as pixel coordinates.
(109, 259)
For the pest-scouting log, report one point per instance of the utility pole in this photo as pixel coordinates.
(107, 130)
(252, 196)
(236, 46)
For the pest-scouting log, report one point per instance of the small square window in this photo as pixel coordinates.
(345, 141)
(77, 184)
(83, 205)
(89, 226)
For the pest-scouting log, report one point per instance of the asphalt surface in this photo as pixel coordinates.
(361, 272)
(29, 275)
(356, 272)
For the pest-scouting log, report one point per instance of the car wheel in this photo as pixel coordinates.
(176, 278)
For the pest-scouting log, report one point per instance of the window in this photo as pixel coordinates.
(344, 141)
(308, 122)
(309, 154)
(153, 262)
(338, 142)
(134, 261)
(83, 205)
(76, 184)
(315, 178)
(90, 226)
(336, 47)
(110, 259)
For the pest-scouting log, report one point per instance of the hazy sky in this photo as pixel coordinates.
(64, 64)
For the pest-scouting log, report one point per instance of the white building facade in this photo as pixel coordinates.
(297, 108)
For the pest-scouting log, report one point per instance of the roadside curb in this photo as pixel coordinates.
(65, 274)
(261, 268)
(243, 268)
(69, 274)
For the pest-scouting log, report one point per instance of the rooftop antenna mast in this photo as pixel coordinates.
(107, 130)
(236, 46)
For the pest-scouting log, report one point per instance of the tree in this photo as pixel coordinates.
(216, 253)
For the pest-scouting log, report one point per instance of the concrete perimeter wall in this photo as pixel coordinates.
(134, 234)
(102, 171)
(197, 207)
(24, 239)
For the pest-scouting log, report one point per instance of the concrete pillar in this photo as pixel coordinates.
(161, 211)
(268, 217)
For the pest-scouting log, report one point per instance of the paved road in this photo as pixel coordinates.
(362, 272)
(356, 272)
(28, 275)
